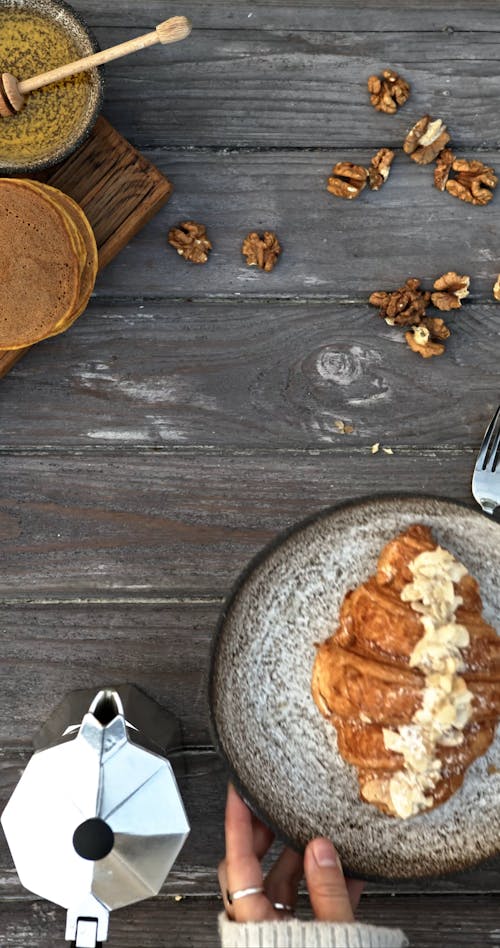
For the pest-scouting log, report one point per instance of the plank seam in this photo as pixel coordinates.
(227, 300)
(377, 895)
(249, 29)
(121, 600)
(250, 148)
(235, 450)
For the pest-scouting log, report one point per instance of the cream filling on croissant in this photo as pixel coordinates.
(446, 700)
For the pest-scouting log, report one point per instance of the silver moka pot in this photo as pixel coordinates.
(96, 820)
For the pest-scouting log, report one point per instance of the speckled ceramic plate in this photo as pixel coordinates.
(281, 752)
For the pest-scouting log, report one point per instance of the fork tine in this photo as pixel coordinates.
(492, 462)
(488, 441)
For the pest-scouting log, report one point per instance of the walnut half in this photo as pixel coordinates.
(473, 181)
(425, 140)
(347, 180)
(261, 251)
(191, 241)
(442, 170)
(451, 290)
(379, 169)
(403, 307)
(422, 339)
(388, 91)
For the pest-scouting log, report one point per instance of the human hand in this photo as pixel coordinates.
(333, 898)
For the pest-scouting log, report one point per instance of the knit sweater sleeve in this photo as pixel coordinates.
(293, 933)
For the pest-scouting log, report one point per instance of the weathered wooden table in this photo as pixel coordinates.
(190, 414)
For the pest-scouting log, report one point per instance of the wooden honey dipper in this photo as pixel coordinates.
(13, 92)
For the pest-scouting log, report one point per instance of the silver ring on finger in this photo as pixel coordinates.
(282, 907)
(243, 893)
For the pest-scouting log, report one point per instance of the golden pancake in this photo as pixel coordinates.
(89, 271)
(73, 224)
(84, 245)
(40, 265)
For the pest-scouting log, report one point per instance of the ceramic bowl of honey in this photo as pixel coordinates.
(35, 36)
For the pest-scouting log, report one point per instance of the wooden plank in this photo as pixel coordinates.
(48, 651)
(324, 15)
(117, 187)
(192, 923)
(282, 84)
(203, 789)
(332, 249)
(160, 523)
(168, 373)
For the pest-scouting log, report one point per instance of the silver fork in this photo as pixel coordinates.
(486, 478)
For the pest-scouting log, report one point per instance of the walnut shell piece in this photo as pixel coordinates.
(191, 241)
(426, 140)
(451, 290)
(496, 288)
(261, 250)
(442, 170)
(347, 180)
(420, 340)
(437, 328)
(379, 169)
(473, 181)
(405, 306)
(388, 91)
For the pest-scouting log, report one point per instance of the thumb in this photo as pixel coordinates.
(325, 882)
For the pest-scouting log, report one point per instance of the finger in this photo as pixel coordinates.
(243, 868)
(222, 875)
(262, 837)
(326, 884)
(283, 879)
(239, 828)
(240, 847)
(355, 889)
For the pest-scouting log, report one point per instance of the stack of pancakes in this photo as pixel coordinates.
(48, 262)
(363, 681)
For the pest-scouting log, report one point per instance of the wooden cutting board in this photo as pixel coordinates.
(119, 190)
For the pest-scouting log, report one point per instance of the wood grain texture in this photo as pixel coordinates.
(163, 648)
(321, 15)
(174, 523)
(324, 15)
(192, 923)
(232, 374)
(300, 75)
(332, 249)
(118, 189)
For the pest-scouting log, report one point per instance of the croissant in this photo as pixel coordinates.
(411, 677)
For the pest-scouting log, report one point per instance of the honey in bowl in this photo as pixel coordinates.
(35, 36)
